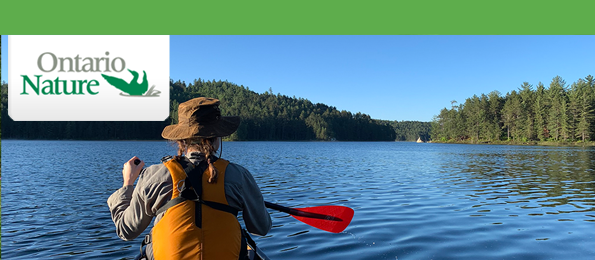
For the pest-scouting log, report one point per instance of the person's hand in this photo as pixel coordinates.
(131, 170)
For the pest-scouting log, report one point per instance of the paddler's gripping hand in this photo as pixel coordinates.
(131, 170)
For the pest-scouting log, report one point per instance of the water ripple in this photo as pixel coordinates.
(411, 201)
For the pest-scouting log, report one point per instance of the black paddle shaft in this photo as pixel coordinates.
(297, 212)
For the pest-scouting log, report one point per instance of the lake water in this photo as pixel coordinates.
(411, 201)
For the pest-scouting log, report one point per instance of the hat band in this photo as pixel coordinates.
(201, 121)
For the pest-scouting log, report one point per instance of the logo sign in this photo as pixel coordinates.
(88, 78)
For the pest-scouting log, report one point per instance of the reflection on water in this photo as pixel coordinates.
(411, 201)
(553, 180)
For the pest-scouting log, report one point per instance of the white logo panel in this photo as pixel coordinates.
(88, 78)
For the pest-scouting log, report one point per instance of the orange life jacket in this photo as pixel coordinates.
(202, 228)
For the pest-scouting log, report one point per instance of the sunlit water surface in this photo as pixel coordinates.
(411, 201)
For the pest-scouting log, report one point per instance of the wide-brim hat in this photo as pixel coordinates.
(201, 117)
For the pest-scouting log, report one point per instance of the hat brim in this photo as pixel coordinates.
(225, 126)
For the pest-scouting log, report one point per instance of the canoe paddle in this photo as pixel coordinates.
(328, 218)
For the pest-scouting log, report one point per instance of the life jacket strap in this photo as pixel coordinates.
(194, 175)
(212, 204)
(221, 207)
(143, 249)
(170, 204)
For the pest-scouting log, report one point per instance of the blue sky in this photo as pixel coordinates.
(404, 77)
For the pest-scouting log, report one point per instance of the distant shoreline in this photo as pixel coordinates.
(528, 143)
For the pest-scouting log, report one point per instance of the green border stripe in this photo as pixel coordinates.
(298, 17)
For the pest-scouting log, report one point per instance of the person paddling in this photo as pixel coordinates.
(194, 197)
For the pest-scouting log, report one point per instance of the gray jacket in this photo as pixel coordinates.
(133, 208)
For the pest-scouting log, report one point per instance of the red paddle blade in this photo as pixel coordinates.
(334, 218)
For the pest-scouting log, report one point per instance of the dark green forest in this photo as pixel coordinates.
(411, 130)
(264, 117)
(560, 112)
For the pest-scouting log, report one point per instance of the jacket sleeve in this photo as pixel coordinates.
(256, 217)
(128, 207)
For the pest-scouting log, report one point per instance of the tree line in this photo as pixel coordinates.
(265, 116)
(560, 112)
(411, 130)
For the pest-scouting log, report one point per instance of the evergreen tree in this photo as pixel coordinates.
(540, 108)
(495, 104)
(527, 117)
(511, 114)
(557, 118)
(585, 111)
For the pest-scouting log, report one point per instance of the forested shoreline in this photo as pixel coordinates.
(264, 116)
(557, 114)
